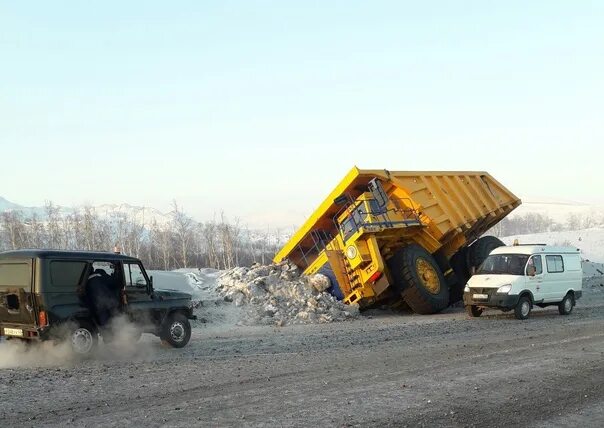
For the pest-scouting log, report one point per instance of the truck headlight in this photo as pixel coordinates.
(504, 289)
(351, 252)
(466, 290)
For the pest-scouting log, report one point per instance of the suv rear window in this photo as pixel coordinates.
(15, 275)
(66, 274)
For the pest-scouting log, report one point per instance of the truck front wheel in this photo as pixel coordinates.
(419, 280)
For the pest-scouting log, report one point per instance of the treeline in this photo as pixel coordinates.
(537, 223)
(180, 242)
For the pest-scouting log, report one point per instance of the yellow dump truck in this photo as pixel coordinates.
(401, 238)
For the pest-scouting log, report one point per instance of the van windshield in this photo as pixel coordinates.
(503, 264)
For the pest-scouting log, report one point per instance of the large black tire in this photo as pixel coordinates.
(176, 330)
(523, 308)
(83, 338)
(412, 286)
(481, 249)
(460, 276)
(565, 307)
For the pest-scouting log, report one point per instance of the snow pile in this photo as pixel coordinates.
(593, 276)
(278, 295)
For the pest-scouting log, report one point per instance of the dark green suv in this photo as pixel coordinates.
(75, 295)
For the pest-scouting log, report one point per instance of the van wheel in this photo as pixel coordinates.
(419, 280)
(474, 311)
(84, 339)
(523, 308)
(565, 307)
(176, 330)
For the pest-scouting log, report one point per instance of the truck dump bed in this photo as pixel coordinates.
(454, 208)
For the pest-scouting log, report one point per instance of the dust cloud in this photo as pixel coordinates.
(120, 341)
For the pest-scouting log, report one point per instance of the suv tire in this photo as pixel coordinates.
(565, 307)
(523, 308)
(176, 330)
(83, 338)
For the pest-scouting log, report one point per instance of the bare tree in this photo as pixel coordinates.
(12, 224)
(183, 225)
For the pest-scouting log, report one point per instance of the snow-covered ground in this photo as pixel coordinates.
(262, 295)
(590, 241)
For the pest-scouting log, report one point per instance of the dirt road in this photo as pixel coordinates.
(389, 370)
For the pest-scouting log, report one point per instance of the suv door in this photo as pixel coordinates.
(16, 297)
(136, 287)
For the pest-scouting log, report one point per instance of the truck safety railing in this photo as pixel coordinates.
(319, 240)
(376, 215)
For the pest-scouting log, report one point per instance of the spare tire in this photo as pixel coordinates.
(419, 280)
(481, 249)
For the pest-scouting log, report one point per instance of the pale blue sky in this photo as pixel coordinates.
(260, 107)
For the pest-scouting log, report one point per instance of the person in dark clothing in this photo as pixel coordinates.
(102, 296)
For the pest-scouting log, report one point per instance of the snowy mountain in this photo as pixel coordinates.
(143, 215)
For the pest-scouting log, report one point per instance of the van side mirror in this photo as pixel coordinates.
(531, 271)
(151, 284)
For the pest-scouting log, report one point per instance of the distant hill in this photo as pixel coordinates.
(559, 211)
(143, 215)
(590, 241)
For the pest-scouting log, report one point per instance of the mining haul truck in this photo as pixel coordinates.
(409, 239)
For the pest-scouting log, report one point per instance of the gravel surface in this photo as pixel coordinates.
(381, 370)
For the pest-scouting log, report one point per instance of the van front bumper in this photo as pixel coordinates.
(493, 300)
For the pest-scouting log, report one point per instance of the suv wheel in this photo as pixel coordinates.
(565, 307)
(83, 339)
(176, 330)
(523, 308)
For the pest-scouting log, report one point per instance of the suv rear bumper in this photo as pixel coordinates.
(29, 332)
(495, 300)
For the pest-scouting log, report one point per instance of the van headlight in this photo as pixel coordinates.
(504, 289)
(466, 290)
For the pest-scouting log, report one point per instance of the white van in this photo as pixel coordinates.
(521, 276)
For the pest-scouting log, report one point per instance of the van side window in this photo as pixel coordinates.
(555, 264)
(537, 263)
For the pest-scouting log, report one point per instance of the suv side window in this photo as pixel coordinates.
(67, 274)
(133, 275)
(555, 264)
(537, 263)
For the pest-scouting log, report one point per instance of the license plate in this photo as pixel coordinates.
(13, 332)
(481, 297)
